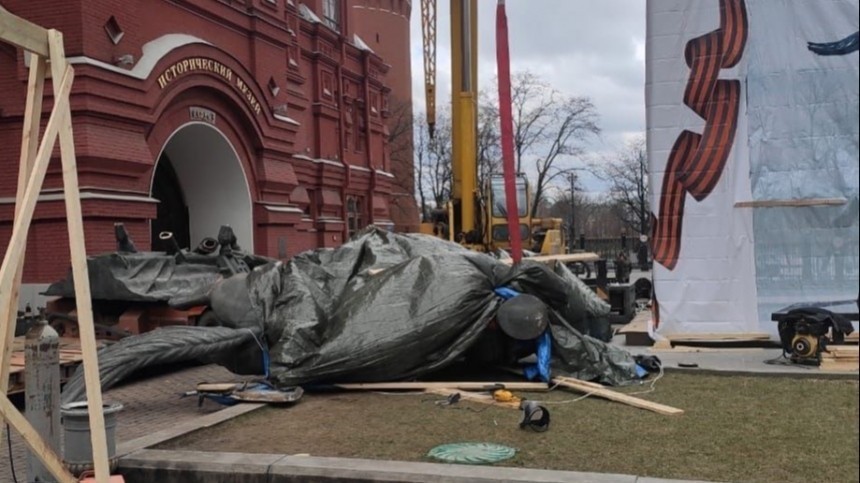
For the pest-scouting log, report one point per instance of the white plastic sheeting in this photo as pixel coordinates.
(739, 112)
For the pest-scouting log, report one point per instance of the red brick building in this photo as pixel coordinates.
(272, 116)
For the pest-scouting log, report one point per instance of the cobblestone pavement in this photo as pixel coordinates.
(149, 405)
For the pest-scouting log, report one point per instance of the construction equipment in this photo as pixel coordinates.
(481, 218)
(806, 331)
(475, 216)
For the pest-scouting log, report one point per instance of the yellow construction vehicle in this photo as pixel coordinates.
(475, 217)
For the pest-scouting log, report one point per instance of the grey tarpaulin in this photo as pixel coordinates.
(390, 306)
(149, 276)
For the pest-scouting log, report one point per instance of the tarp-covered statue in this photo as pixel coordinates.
(382, 307)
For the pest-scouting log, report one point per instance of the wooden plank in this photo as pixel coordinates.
(563, 258)
(29, 148)
(843, 349)
(793, 203)
(600, 391)
(639, 324)
(21, 225)
(465, 386)
(717, 336)
(23, 33)
(472, 397)
(33, 441)
(77, 247)
(683, 348)
(838, 365)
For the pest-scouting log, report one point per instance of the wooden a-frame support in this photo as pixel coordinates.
(47, 45)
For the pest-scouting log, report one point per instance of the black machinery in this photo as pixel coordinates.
(805, 330)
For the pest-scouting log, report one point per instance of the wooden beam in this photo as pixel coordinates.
(29, 148)
(23, 33)
(465, 386)
(563, 258)
(792, 203)
(605, 393)
(18, 241)
(33, 441)
(77, 246)
(717, 336)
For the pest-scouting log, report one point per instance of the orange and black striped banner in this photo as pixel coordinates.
(696, 161)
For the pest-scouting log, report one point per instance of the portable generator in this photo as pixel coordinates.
(804, 332)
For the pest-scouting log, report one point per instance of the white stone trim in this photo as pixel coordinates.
(87, 195)
(287, 119)
(153, 51)
(282, 209)
(360, 44)
(330, 220)
(383, 173)
(319, 160)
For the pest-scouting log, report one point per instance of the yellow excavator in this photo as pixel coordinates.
(475, 217)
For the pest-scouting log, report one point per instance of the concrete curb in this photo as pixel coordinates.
(158, 437)
(169, 466)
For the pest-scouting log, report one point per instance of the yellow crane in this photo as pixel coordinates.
(475, 217)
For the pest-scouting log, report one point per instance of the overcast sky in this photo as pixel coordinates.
(581, 47)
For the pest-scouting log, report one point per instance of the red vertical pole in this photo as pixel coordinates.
(503, 61)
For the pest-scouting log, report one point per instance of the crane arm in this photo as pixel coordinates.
(428, 30)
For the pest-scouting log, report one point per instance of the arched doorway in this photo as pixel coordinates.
(200, 184)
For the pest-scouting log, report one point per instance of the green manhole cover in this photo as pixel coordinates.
(471, 453)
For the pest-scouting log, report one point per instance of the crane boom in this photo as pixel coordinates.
(428, 30)
(464, 117)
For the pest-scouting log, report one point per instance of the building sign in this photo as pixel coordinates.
(201, 114)
(202, 64)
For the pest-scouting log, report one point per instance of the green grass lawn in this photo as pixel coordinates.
(734, 429)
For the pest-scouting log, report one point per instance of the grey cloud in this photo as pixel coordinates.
(586, 48)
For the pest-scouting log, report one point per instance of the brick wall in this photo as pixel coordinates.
(288, 64)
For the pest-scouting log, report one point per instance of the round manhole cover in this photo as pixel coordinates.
(471, 453)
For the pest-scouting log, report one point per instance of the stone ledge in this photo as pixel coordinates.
(169, 466)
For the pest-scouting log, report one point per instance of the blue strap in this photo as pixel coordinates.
(542, 368)
(506, 292)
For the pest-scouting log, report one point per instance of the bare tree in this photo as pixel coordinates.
(548, 126)
(573, 119)
(489, 142)
(627, 174)
(433, 169)
(421, 153)
(399, 125)
(532, 102)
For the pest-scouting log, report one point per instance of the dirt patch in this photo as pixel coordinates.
(734, 429)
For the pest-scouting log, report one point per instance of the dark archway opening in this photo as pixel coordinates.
(172, 214)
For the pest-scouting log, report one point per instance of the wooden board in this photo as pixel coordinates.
(605, 393)
(839, 365)
(22, 33)
(465, 386)
(690, 349)
(70, 357)
(841, 351)
(717, 337)
(563, 258)
(796, 202)
(638, 324)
